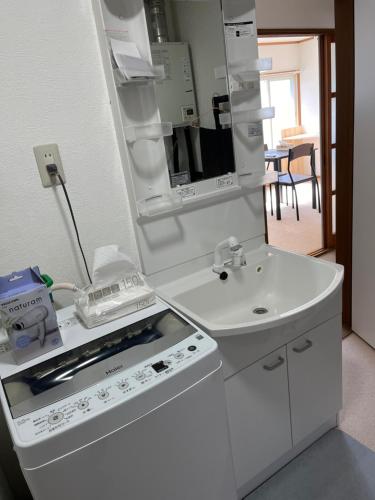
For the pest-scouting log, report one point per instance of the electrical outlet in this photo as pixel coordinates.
(45, 155)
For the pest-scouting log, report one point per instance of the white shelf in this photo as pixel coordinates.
(243, 87)
(250, 66)
(165, 205)
(214, 195)
(220, 72)
(257, 179)
(149, 131)
(247, 117)
(121, 81)
(245, 71)
(159, 204)
(249, 70)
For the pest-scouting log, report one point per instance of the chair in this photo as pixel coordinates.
(292, 180)
(294, 137)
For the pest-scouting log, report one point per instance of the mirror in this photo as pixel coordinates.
(187, 39)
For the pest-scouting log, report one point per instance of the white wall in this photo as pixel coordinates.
(53, 90)
(295, 13)
(284, 57)
(303, 57)
(364, 174)
(310, 93)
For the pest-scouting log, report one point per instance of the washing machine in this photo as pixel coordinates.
(133, 409)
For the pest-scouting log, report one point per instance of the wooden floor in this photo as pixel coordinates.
(330, 256)
(302, 237)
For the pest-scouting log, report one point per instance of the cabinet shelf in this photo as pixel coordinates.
(149, 131)
(243, 86)
(256, 179)
(168, 204)
(244, 71)
(121, 81)
(220, 72)
(247, 117)
(159, 204)
(248, 71)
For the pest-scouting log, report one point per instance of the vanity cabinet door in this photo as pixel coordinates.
(314, 364)
(259, 416)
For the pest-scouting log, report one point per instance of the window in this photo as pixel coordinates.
(281, 92)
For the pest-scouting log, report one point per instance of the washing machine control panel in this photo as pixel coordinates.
(113, 390)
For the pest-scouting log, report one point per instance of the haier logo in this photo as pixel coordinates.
(114, 370)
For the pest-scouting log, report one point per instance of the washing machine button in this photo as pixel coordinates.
(55, 418)
(123, 385)
(140, 376)
(103, 395)
(83, 405)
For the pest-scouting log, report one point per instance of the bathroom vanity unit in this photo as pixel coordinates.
(277, 321)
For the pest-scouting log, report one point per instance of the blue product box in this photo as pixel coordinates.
(28, 315)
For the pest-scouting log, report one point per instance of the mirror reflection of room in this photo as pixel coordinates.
(187, 40)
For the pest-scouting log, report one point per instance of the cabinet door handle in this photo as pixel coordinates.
(307, 345)
(279, 362)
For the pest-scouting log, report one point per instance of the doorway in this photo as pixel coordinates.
(344, 37)
(294, 87)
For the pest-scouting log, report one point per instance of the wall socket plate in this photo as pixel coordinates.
(45, 155)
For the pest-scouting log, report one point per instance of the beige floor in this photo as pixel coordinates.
(358, 416)
(304, 236)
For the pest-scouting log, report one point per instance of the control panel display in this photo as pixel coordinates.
(112, 391)
(160, 366)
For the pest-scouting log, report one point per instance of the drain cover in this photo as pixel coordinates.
(260, 310)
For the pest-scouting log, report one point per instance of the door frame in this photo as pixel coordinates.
(325, 134)
(345, 67)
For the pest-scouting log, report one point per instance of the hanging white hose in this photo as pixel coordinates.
(64, 286)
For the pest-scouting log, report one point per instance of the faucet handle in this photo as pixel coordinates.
(238, 256)
(233, 243)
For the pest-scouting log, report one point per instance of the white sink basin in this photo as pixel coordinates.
(274, 287)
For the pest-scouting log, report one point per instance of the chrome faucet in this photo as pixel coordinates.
(237, 256)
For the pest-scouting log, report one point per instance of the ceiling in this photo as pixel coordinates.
(282, 39)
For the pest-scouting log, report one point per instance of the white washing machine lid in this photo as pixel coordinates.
(76, 369)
